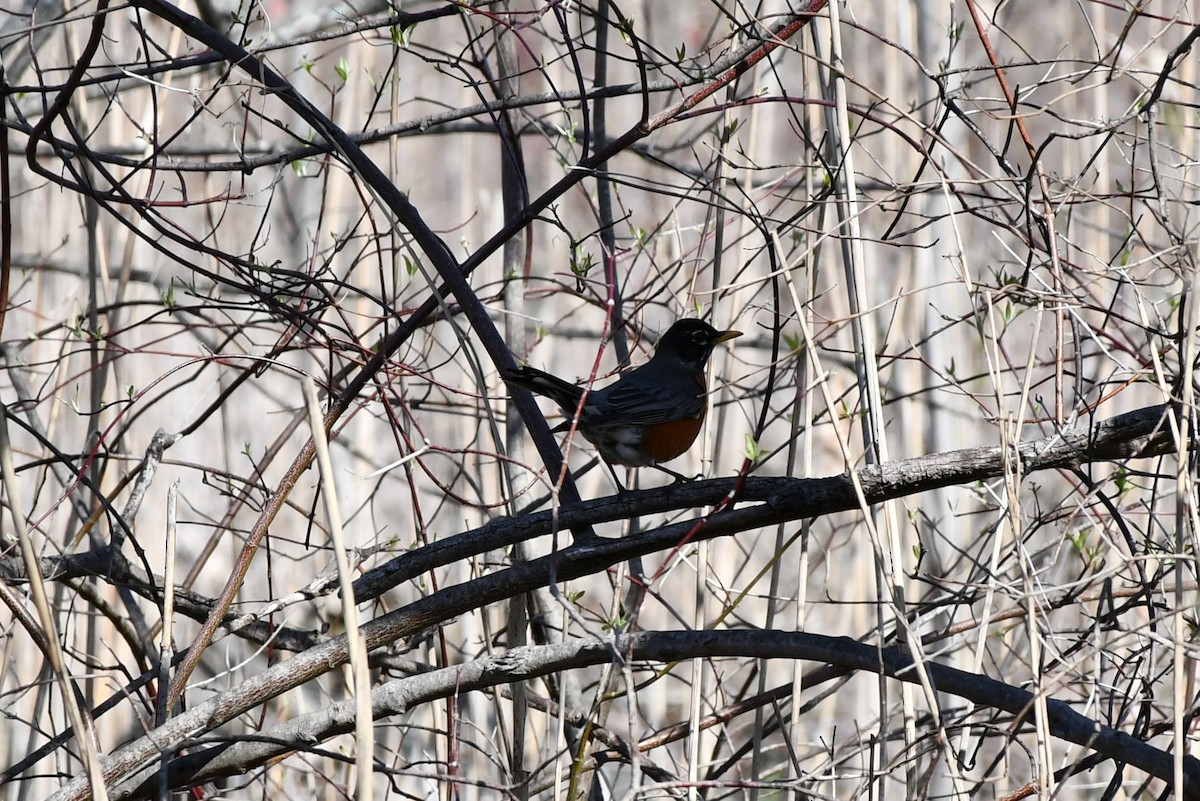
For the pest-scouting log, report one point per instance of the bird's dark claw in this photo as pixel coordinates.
(680, 478)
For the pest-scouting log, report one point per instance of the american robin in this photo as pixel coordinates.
(650, 414)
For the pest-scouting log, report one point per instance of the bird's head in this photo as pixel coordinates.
(691, 342)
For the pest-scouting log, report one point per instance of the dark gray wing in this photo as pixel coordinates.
(644, 397)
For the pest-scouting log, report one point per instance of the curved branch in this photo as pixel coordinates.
(1136, 434)
(521, 664)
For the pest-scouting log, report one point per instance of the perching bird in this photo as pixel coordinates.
(650, 414)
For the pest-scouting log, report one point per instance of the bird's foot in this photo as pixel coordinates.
(680, 478)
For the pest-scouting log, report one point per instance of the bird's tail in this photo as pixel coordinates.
(565, 395)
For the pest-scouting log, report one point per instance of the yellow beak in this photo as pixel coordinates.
(725, 336)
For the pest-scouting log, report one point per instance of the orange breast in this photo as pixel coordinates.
(665, 441)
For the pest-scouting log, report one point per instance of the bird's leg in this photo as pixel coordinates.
(679, 477)
(620, 487)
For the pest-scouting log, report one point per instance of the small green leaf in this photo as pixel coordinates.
(626, 28)
(753, 449)
(401, 37)
(73, 401)
(619, 623)
(1121, 480)
(343, 69)
(581, 263)
(568, 132)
